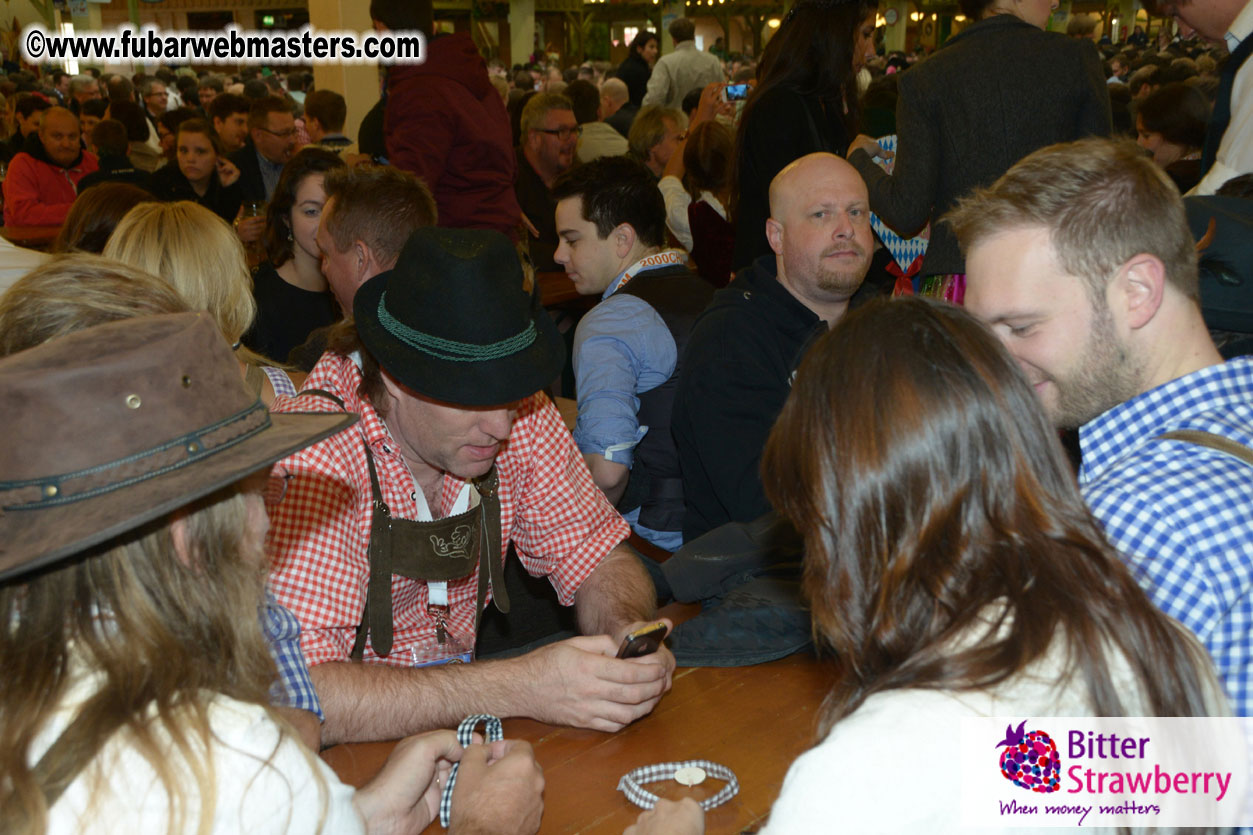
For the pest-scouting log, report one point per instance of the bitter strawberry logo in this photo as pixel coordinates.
(1030, 759)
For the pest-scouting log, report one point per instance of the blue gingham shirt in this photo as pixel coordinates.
(1181, 514)
(294, 688)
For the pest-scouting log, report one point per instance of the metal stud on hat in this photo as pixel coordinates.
(116, 425)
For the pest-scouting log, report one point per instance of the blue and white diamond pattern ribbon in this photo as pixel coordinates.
(904, 250)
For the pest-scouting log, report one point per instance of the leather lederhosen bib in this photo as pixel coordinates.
(438, 551)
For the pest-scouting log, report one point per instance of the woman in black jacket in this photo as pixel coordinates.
(202, 174)
(806, 101)
(995, 92)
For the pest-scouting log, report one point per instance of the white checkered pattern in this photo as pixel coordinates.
(630, 783)
(560, 523)
(1181, 514)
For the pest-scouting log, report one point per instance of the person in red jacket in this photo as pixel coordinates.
(42, 180)
(445, 122)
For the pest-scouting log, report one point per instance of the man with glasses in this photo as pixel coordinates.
(156, 98)
(549, 137)
(271, 142)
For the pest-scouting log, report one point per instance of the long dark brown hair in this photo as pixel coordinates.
(812, 53)
(278, 230)
(931, 491)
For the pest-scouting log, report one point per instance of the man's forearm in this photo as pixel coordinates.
(366, 702)
(609, 476)
(619, 592)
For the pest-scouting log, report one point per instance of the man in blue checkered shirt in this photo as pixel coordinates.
(1081, 261)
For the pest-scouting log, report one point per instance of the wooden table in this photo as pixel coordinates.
(31, 237)
(754, 720)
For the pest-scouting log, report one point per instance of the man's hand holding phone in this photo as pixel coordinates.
(579, 681)
(643, 641)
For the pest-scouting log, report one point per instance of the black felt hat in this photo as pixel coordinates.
(452, 322)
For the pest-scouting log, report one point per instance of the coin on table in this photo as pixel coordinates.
(690, 776)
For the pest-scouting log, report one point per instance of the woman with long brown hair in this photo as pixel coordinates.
(293, 298)
(951, 567)
(805, 101)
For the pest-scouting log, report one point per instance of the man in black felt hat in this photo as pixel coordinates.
(390, 536)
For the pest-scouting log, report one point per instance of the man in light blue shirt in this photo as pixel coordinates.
(611, 227)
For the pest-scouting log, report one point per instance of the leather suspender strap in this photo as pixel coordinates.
(358, 646)
(1209, 439)
(489, 544)
(334, 398)
(376, 617)
(376, 620)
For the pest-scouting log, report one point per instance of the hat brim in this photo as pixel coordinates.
(486, 383)
(33, 539)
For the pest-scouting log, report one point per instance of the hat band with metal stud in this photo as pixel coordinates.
(448, 349)
(50, 491)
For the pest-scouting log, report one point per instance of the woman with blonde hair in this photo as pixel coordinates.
(135, 694)
(73, 293)
(200, 255)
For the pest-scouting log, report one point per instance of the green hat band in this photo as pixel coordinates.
(450, 350)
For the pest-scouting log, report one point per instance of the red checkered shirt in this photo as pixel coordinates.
(560, 523)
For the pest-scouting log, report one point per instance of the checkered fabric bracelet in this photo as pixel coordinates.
(630, 784)
(492, 732)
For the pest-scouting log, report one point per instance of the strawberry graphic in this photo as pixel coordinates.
(1030, 759)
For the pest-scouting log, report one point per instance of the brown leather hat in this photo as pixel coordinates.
(117, 425)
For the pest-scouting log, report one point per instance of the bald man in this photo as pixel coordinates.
(745, 347)
(615, 107)
(43, 180)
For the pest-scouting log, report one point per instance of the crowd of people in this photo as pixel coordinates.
(282, 424)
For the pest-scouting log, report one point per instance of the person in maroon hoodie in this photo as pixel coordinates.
(42, 180)
(445, 122)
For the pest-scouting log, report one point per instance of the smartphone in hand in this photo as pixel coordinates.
(643, 641)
